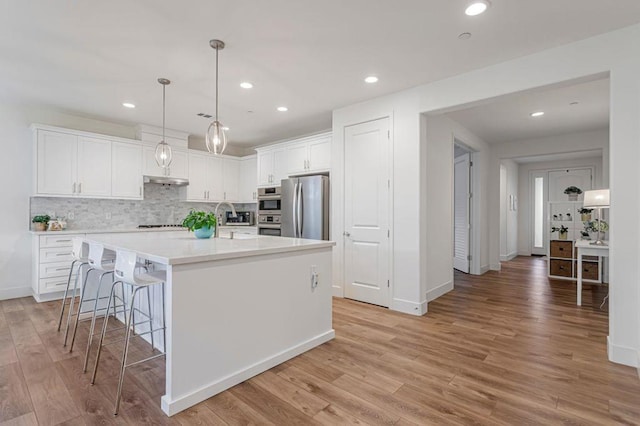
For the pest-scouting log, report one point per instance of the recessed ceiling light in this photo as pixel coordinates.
(128, 105)
(537, 114)
(464, 36)
(476, 7)
(283, 109)
(246, 85)
(371, 79)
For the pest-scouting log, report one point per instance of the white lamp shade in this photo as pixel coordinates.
(596, 198)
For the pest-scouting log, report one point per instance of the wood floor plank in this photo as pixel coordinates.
(24, 420)
(234, 411)
(304, 401)
(199, 415)
(15, 400)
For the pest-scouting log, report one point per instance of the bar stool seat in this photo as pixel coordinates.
(124, 274)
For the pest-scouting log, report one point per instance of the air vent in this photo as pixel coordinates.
(203, 115)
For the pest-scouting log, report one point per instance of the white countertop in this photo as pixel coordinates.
(176, 249)
(127, 230)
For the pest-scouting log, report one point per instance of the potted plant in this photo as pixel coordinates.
(561, 230)
(203, 224)
(596, 226)
(585, 214)
(573, 192)
(40, 222)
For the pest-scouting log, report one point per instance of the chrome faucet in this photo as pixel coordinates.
(215, 213)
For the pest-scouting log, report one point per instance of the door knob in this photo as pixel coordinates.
(346, 234)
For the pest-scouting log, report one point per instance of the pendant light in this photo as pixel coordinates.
(216, 139)
(164, 155)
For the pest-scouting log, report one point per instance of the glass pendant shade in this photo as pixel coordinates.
(216, 138)
(164, 154)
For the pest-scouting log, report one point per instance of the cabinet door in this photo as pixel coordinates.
(248, 183)
(94, 167)
(280, 162)
(265, 168)
(150, 167)
(297, 156)
(57, 163)
(126, 170)
(215, 179)
(230, 179)
(198, 184)
(320, 155)
(179, 167)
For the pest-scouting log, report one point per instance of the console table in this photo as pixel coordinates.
(585, 248)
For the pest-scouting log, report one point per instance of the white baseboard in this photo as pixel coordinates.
(185, 401)
(14, 292)
(336, 291)
(408, 307)
(495, 267)
(622, 354)
(484, 269)
(508, 257)
(441, 290)
(524, 253)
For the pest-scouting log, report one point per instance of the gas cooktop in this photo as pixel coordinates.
(160, 226)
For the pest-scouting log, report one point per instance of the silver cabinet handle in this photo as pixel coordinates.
(62, 269)
(63, 241)
(225, 195)
(64, 254)
(140, 191)
(74, 187)
(80, 188)
(204, 195)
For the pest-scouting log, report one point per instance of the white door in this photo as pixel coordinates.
(248, 191)
(197, 188)
(94, 167)
(559, 180)
(367, 206)
(126, 170)
(230, 178)
(320, 154)
(57, 167)
(461, 216)
(265, 168)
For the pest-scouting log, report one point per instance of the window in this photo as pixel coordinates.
(538, 212)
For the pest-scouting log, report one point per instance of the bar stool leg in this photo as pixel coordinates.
(73, 299)
(92, 327)
(104, 329)
(82, 300)
(125, 350)
(150, 318)
(66, 291)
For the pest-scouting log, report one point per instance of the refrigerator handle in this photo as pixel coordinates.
(299, 220)
(294, 206)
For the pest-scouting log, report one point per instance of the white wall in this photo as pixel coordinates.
(616, 53)
(526, 198)
(508, 217)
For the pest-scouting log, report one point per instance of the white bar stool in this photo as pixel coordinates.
(125, 275)
(78, 261)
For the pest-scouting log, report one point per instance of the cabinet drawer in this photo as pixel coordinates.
(56, 254)
(590, 270)
(55, 269)
(561, 249)
(560, 268)
(50, 285)
(57, 240)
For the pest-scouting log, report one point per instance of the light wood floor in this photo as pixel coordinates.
(505, 348)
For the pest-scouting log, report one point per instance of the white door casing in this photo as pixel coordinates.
(367, 211)
(461, 213)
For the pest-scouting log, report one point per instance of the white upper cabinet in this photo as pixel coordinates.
(179, 167)
(198, 185)
(230, 179)
(206, 178)
(126, 170)
(215, 178)
(248, 187)
(301, 157)
(94, 167)
(57, 159)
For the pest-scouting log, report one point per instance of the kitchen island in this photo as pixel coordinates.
(234, 307)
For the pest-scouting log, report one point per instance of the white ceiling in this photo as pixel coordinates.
(508, 118)
(90, 56)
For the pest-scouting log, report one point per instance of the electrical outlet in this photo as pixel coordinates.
(107, 216)
(70, 216)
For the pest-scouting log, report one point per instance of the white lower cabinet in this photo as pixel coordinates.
(52, 256)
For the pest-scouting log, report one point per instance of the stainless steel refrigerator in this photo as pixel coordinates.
(305, 207)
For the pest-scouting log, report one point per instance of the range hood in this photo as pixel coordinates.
(166, 180)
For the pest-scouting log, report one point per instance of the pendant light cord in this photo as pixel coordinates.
(164, 86)
(217, 51)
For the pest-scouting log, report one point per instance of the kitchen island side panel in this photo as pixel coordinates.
(230, 320)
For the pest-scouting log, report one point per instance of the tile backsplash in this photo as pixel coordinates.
(162, 204)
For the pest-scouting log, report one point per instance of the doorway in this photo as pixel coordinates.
(461, 207)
